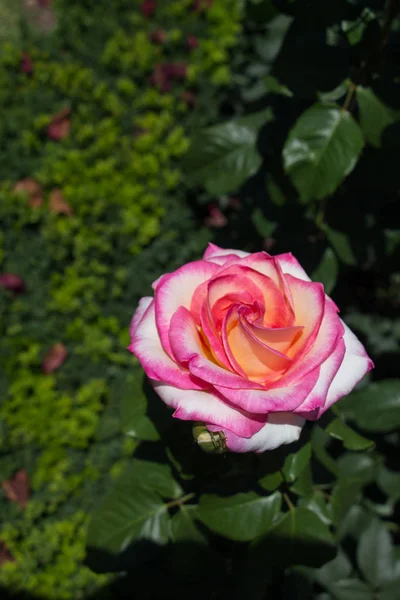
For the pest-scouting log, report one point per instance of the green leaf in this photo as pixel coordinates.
(241, 517)
(358, 468)
(375, 554)
(390, 591)
(341, 245)
(271, 481)
(321, 149)
(264, 227)
(375, 407)
(335, 570)
(343, 497)
(303, 486)
(134, 421)
(353, 523)
(389, 482)
(222, 157)
(316, 503)
(327, 270)
(299, 538)
(351, 589)
(296, 462)
(183, 527)
(351, 439)
(374, 115)
(134, 508)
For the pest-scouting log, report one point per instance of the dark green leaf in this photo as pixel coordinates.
(375, 554)
(303, 485)
(222, 157)
(299, 538)
(341, 245)
(319, 441)
(316, 503)
(134, 421)
(351, 589)
(241, 517)
(344, 496)
(350, 438)
(264, 227)
(358, 468)
(296, 462)
(335, 570)
(389, 482)
(353, 523)
(321, 149)
(390, 591)
(271, 481)
(376, 407)
(374, 115)
(327, 270)
(134, 508)
(183, 527)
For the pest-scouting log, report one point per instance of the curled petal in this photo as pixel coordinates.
(221, 255)
(208, 407)
(254, 358)
(274, 399)
(177, 289)
(356, 363)
(144, 304)
(146, 346)
(281, 428)
(278, 312)
(309, 307)
(330, 332)
(278, 339)
(291, 266)
(313, 406)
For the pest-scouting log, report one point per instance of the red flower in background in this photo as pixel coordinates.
(164, 74)
(12, 282)
(5, 555)
(60, 125)
(199, 5)
(17, 488)
(58, 205)
(158, 36)
(148, 7)
(26, 64)
(54, 358)
(32, 189)
(192, 42)
(216, 218)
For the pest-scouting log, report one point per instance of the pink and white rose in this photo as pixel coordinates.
(246, 344)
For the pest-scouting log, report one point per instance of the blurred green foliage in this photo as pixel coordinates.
(85, 265)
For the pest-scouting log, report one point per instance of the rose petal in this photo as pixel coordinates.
(281, 428)
(263, 288)
(254, 358)
(144, 304)
(275, 399)
(356, 363)
(208, 407)
(278, 339)
(146, 346)
(177, 289)
(221, 254)
(291, 266)
(54, 358)
(309, 307)
(315, 401)
(329, 334)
